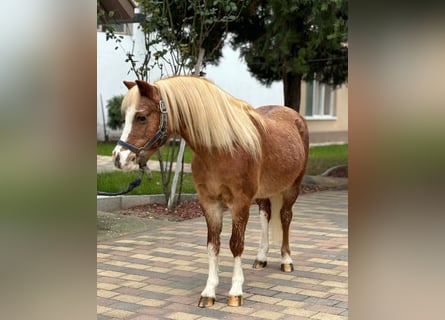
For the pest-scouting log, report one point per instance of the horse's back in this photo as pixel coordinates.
(285, 149)
(280, 117)
(282, 114)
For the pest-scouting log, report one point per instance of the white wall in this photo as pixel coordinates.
(232, 75)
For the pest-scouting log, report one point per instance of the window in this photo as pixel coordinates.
(122, 28)
(319, 100)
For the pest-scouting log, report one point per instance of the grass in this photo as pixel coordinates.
(321, 158)
(105, 148)
(118, 181)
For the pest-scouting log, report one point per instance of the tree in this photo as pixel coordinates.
(115, 117)
(294, 40)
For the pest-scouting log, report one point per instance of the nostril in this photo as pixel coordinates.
(117, 162)
(133, 158)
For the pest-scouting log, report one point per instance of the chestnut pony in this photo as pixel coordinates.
(241, 154)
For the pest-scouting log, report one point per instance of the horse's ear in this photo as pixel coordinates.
(129, 84)
(146, 89)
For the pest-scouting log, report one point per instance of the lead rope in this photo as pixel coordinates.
(134, 183)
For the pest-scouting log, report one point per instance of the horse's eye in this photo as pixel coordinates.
(141, 118)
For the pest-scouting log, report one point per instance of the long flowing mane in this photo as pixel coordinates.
(213, 118)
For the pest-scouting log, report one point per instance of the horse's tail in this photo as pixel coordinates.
(304, 134)
(276, 203)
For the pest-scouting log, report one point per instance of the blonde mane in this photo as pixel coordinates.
(213, 118)
(131, 100)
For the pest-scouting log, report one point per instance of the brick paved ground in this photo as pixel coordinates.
(160, 275)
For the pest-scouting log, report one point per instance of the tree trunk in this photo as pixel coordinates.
(198, 65)
(292, 90)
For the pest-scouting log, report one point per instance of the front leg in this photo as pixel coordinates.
(240, 216)
(213, 214)
(236, 292)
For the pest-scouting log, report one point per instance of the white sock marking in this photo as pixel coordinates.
(237, 278)
(212, 280)
(264, 242)
(286, 259)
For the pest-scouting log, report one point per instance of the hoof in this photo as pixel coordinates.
(235, 301)
(287, 267)
(259, 264)
(205, 302)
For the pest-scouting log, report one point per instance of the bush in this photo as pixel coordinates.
(115, 117)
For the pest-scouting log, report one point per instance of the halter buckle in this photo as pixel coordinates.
(162, 106)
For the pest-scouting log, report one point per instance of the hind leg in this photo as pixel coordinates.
(289, 198)
(286, 218)
(265, 212)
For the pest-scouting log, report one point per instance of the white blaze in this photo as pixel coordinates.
(124, 154)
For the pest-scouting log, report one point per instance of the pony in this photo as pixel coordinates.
(241, 155)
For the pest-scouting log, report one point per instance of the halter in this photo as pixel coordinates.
(160, 134)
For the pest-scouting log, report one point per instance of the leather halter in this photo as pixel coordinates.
(159, 136)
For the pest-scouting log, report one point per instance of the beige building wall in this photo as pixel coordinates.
(328, 129)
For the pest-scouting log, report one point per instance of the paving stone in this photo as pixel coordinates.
(182, 316)
(266, 314)
(299, 312)
(325, 309)
(328, 316)
(291, 296)
(119, 314)
(127, 306)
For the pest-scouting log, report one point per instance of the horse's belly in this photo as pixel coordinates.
(275, 183)
(263, 194)
(268, 191)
